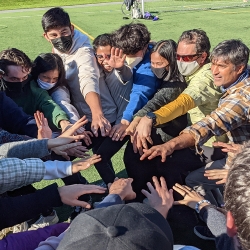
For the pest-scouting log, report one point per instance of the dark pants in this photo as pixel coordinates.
(174, 169)
(208, 188)
(107, 148)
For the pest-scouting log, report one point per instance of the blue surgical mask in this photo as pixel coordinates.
(45, 85)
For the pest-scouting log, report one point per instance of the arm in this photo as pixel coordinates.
(125, 73)
(22, 124)
(61, 97)
(8, 137)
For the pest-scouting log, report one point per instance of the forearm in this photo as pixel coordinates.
(182, 141)
(125, 73)
(94, 102)
(176, 108)
(25, 149)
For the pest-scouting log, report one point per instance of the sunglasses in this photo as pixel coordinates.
(186, 58)
(101, 57)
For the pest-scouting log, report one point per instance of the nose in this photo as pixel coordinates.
(214, 69)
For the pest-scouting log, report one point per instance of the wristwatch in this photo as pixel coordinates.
(152, 116)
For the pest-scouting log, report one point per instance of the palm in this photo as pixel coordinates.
(117, 58)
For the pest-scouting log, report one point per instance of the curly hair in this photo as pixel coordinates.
(197, 37)
(237, 195)
(131, 38)
(14, 57)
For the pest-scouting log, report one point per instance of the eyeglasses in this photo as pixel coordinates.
(101, 57)
(186, 58)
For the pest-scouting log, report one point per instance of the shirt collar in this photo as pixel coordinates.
(242, 77)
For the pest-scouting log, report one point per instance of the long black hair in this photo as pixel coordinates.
(167, 49)
(46, 62)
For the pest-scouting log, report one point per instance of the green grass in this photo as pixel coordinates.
(22, 4)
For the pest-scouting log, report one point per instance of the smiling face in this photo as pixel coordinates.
(224, 72)
(103, 55)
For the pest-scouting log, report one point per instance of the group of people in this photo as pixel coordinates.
(182, 111)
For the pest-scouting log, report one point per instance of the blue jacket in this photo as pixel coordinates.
(14, 120)
(145, 84)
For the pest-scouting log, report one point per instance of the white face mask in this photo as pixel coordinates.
(187, 68)
(133, 61)
(45, 85)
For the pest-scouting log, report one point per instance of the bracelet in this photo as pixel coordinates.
(198, 205)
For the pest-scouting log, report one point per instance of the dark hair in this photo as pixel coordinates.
(237, 195)
(14, 57)
(46, 62)
(167, 49)
(55, 18)
(234, 51)
(131, 38)
(199, 38)
(102, 40)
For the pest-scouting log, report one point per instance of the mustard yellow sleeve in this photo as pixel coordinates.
(180, 106)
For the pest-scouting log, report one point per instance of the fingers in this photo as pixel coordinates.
(156, 182)
(86, 138)
(139, 146)
(223, 181)
(134, 142)
(181, 202)
(79, 203)
(144, 143)
(149, 139)
(146, 193)
(64, 155)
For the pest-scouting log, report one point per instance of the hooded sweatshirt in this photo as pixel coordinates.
(81, 72)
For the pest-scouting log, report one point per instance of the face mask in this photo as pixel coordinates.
(63, 43)
(187, 68)
(45, 85)
(15, 87)
(133, 61)
(160, 73)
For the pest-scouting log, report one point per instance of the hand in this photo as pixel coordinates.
(123, 188)
(228, 147)
(118, 132)
(99, 121)
(142, 135)
(162, 150)
(73, 149)
(73, 128)
(217, 174)
(69, 194)
(117, 58)
(190, 196)
(160, 198)
(44, 130)
(132, 127)
(85, 163)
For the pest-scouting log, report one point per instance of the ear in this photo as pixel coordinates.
(240, 69)
(203, 57)
(46, 37)
(231, 228)
(72, 27)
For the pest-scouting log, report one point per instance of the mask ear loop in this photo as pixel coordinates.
(2, 72)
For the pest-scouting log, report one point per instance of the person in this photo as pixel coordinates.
(18, 85)
(81, 70)
(163, 64)
(49, 73)
(134, 40)
(229, 67)
(200, 97)
(230, 231)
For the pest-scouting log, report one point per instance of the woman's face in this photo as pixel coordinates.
(50, 76)
(103, 54)
(157, 61)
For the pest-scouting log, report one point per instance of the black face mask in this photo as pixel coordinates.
(160, 73)
(63, 43)
(15, 87)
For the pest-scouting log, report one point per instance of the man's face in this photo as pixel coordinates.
(224, 72)
(56, 33)
(187, 52)
(16, 74)
(103, 54)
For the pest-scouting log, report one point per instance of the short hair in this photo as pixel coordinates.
(102, 40)
(46, 62)
(237, 195)
(14, 57)
(55, 18)
(131, 38)
(199, 38)
(167, 50)
(233, 51)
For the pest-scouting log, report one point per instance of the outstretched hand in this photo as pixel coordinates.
(117, 58)
(44, 130)
(160, 198)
